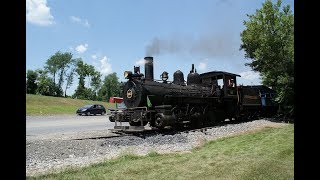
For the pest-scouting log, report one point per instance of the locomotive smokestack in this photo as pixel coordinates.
(192, 68)
(148, 68)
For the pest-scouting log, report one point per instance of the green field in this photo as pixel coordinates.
(48, 105)
(264, 154)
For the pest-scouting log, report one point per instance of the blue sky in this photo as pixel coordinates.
(116, 35)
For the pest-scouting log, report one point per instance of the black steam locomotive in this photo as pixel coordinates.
(203, 100)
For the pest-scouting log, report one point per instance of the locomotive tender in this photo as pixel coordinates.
(203, 100)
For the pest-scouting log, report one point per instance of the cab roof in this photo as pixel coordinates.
(216, 73)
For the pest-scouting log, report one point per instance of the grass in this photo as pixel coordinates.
(48, 105)
(265, 154)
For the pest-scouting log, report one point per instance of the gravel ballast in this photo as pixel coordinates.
(54, 152)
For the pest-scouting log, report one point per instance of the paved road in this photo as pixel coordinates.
(37, 125)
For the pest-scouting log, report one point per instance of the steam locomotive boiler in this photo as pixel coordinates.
(203, 100)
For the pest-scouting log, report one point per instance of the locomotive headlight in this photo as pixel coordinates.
(127, 74)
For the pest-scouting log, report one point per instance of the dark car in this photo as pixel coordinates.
(91, 109)
(119, 109)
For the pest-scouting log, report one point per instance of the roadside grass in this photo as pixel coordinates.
(263, 154)
(48, 105)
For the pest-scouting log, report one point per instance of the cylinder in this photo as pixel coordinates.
(148, 68)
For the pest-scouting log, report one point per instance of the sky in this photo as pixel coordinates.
(115, 35)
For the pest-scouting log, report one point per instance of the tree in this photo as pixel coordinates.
(31, 82)
(52, 65)
(46, 85)
(268, 41)
(110, 87)
(81, 71)
(96, 81)
(69, 78)
(64, 62)
(90, 71)
(60, 63)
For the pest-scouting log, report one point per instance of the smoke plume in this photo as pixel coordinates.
(208, 45)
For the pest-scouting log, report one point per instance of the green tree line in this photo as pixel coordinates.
(59, 73)
(268, 42)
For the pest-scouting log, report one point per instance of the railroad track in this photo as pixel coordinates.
(148, 133)
(151, 132)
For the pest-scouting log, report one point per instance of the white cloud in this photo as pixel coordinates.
(75, 19)
(38, 13)
(140, 62)
(105, 66)
(249, 75)
(202, 66)
(78, 20)
(94, 56)
(86, 23)
(82, 48)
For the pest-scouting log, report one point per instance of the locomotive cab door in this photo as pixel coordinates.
(230, 86)
(230, 95)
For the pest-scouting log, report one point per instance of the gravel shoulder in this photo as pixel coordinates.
(54, 152)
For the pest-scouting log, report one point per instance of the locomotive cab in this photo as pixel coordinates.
(223, 84)
(228, 94)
